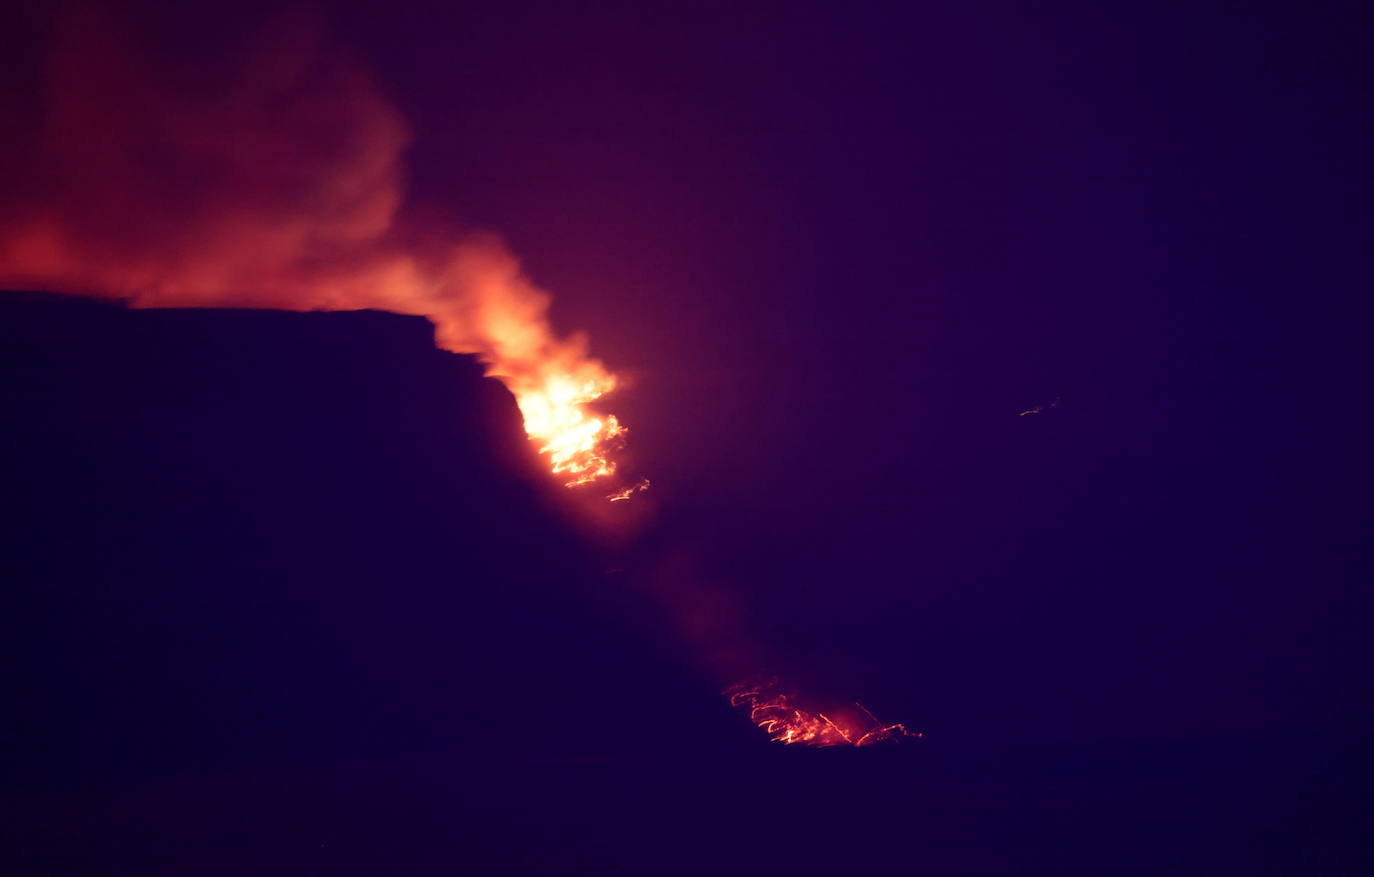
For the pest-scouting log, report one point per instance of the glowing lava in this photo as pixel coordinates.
(557, 416)
(784, 722)
(267, 213)
(626, 493)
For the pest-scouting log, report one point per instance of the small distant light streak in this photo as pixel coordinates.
(1040, 408)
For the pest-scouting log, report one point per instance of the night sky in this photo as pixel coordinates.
(280, 581)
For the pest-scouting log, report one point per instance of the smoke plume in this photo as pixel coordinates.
(271, 177)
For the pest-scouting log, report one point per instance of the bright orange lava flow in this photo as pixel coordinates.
(577, 440)
(784, 722)
(626, 493)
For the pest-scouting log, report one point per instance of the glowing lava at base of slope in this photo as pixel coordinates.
(784, 722)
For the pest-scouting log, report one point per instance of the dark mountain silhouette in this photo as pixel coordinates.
(284, 594)
(244, 535)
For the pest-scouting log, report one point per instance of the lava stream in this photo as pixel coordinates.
(785, 722)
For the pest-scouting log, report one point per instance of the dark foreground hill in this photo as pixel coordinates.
(239, 536)
(282, 597)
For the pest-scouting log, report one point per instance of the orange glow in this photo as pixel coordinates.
(784, 722)
(281, 218)
(557, 416)
(622, 495)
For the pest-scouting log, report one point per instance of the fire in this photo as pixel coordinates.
(576, 440)
(278, 216)
(785, 722)
(304, 208)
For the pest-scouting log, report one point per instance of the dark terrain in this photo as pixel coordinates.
(284, 594)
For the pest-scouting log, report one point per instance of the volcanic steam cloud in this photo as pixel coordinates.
(272, 181)
(272, 177)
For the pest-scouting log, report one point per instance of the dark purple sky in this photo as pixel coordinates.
(838, 248)
(288, 594)
(842, 247)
